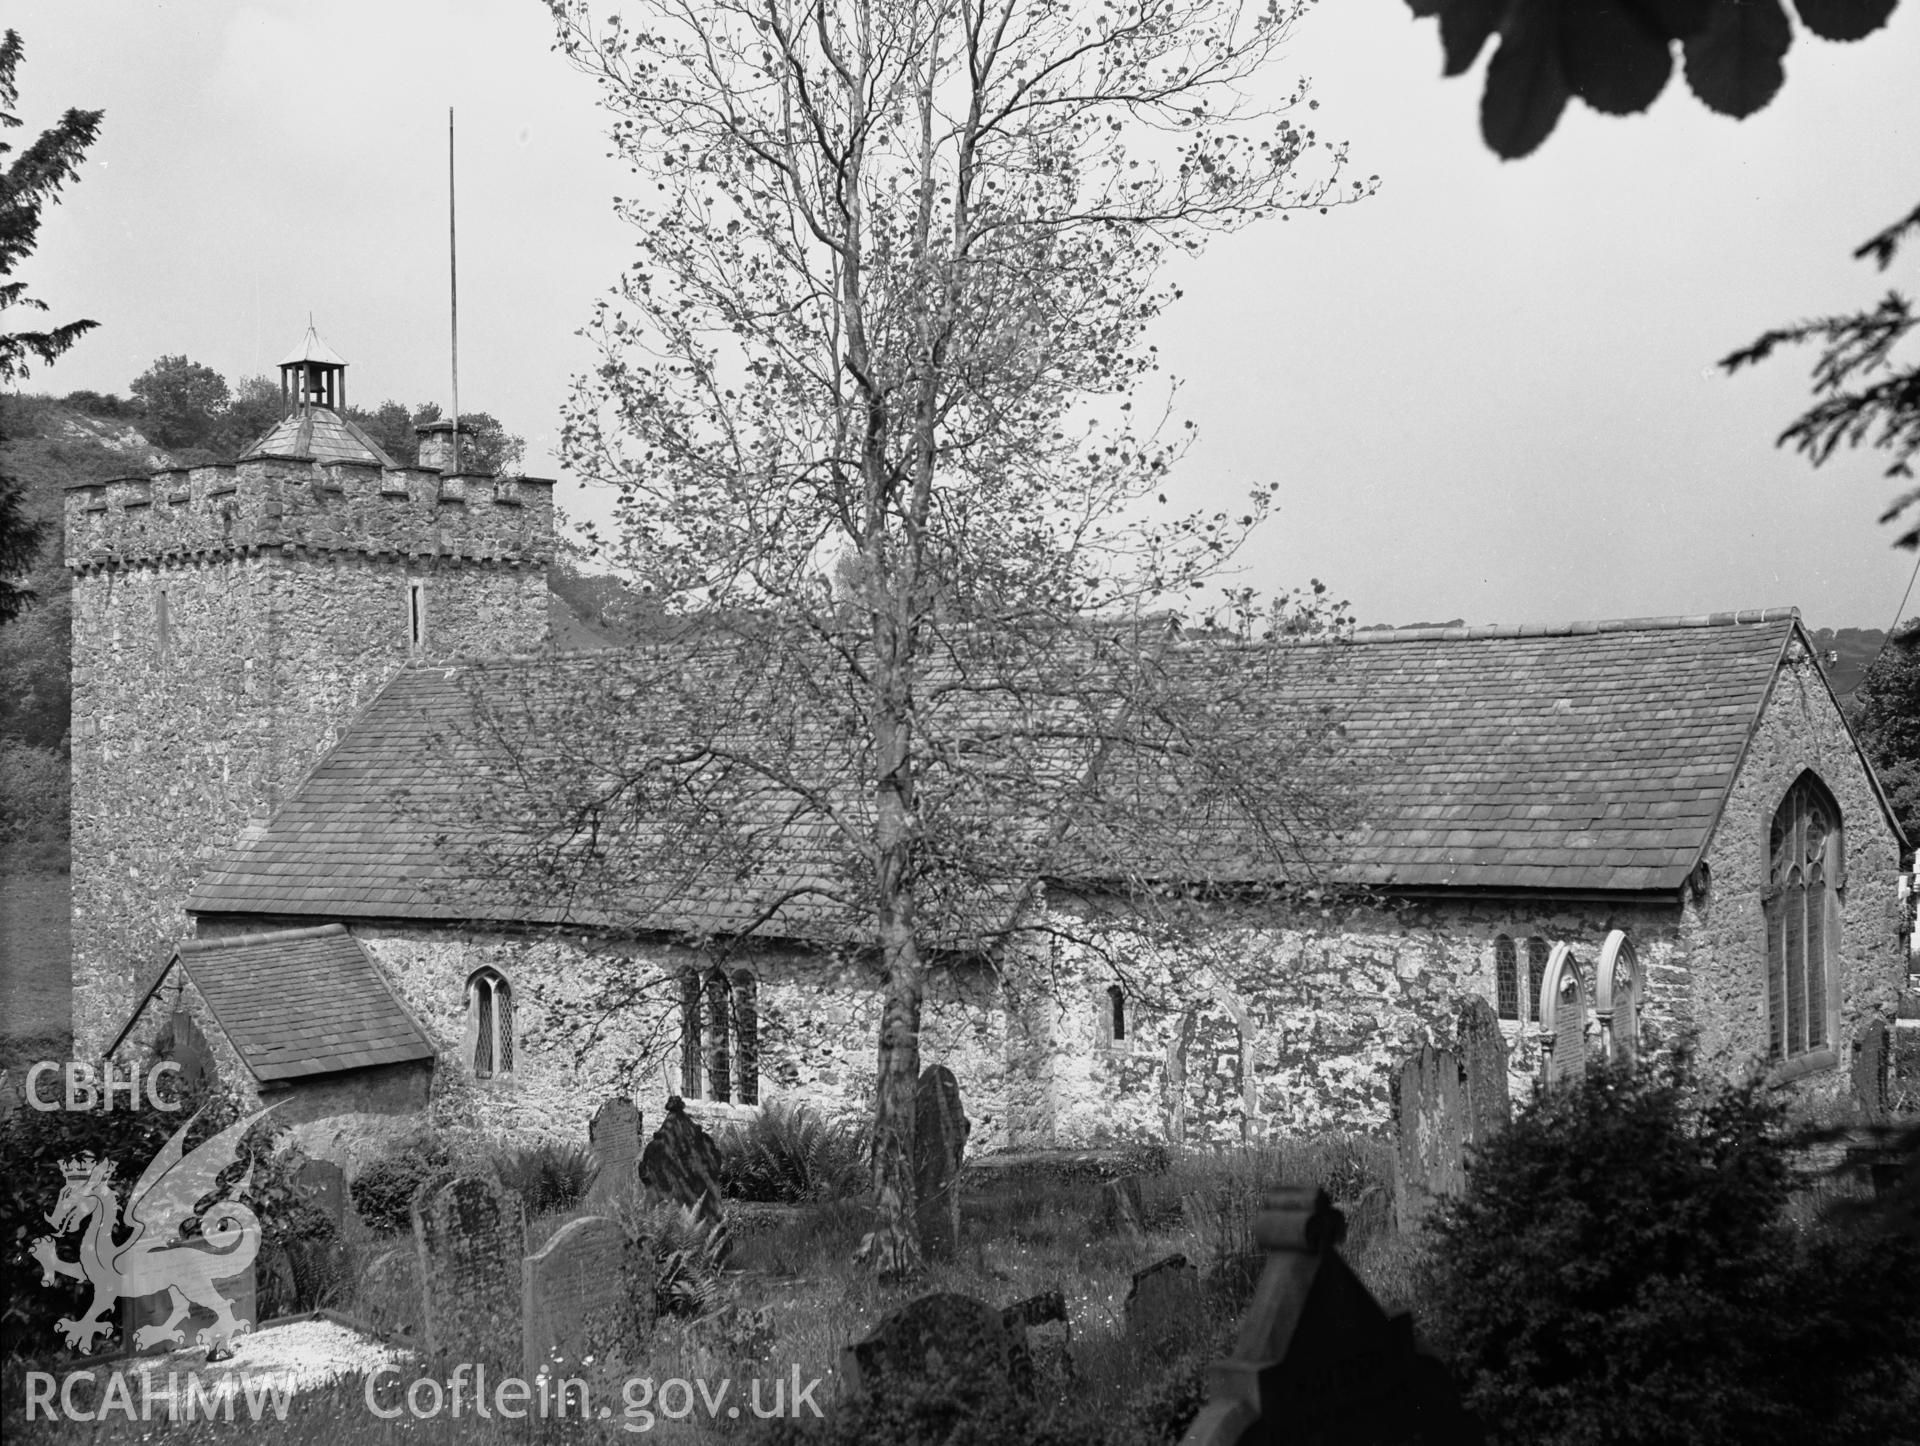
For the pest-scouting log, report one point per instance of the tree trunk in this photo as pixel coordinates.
(893, 1247)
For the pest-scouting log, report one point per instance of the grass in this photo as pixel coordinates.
(796, 1302)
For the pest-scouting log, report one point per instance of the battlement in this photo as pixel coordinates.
(291, 504)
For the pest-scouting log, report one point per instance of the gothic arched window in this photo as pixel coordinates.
(1804, 866)
(719, 1036)
(1538, 952)
(490, 1024)
(1506, 978)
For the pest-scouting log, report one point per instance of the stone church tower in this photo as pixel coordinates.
(229, 620)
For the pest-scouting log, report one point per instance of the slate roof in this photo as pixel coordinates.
(319, 434)
(1593, 757)
(298, 1002)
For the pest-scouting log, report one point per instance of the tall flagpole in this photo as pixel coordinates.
(453, 289)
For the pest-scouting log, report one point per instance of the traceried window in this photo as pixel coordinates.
(1506, 978)
(1804, 869)
(490, 1024)
(719, 1036)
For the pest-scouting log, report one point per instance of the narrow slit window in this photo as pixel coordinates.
(162, 624)
(690, 1038)
(746, 1038)
(416, 616)
(1117, 1012)
(1537, 955)
(1506, 977)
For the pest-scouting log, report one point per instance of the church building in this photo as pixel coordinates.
(1618, 834)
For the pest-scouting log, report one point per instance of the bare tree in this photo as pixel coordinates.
(870, 399)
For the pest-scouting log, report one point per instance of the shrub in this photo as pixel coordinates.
(548, 1178)
(790, 1153)
(1621, 1268)
(689, 1256)
(383, 1191)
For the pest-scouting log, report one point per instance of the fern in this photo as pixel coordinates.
(790, 1154)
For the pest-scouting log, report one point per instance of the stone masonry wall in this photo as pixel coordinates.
(1800, 728)
(1271, 1027)
(286, 608)
(818, 1029)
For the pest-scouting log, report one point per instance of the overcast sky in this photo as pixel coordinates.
(1487, 393)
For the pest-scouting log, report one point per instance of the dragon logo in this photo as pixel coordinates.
(155, 1257)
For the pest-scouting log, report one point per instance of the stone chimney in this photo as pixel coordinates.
(436, 446)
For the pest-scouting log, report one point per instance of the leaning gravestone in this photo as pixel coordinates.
(470, 1237)
(1317, 1361)
(1164, 1304)
(586, 1292)
(1039, 1324)
(945, 1341)
(614, 1135)
(1430, 1134)
(682, 1161)
(940, 1131)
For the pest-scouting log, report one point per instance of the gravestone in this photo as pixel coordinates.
(682, 1162)
(1120, 1211)
(614, 1135)
(1870, 1057)
(940, 1131)
(323, 1185)
(389, 1292)
(1430, 1133)
(946, 1341)
(276, 1288)
(1039, 1325)
(1317, 1361)
(1164, 1304)
(1200, 1212)
(470, 1237)
(1482, 1053)
(587, 1292)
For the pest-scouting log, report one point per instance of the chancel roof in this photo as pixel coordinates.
(1580, 759)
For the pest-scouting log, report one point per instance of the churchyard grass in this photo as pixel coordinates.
(794, 1299)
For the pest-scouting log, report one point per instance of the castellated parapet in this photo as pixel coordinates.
(228, 622)
(402, 512)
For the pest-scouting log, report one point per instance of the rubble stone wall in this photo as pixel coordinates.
(228, 622)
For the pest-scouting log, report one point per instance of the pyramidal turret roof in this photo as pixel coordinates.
(319, 435)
